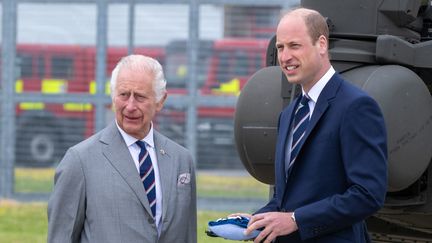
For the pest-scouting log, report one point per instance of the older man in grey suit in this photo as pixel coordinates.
(128, 182)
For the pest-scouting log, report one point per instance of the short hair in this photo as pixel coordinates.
(141, 63)
(315, 23)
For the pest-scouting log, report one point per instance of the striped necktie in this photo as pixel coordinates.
(147, 175)
(301, 121)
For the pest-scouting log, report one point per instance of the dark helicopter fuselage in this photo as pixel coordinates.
(385, 48)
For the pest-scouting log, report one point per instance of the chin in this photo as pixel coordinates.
(130, 129)
(293, 81)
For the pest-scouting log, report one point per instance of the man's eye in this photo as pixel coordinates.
(140, 98)
(295, 46)
(123, 95)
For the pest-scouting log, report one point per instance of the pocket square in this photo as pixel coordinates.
(183, 179)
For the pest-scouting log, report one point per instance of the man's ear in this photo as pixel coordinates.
(161, 102)
(323, 44)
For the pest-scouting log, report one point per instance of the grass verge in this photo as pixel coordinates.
(27, 223)
(40, 180)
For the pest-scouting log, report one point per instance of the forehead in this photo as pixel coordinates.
(292, 27)
(136, 79)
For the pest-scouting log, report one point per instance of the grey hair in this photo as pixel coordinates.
(141, 63)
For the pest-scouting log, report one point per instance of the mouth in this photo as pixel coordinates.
(130, 118)
(291, 67)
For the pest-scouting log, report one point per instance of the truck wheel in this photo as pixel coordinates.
(37, 144)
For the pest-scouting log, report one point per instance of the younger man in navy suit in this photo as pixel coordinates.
(331, 162)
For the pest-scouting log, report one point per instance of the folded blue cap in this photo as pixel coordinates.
(231, 228)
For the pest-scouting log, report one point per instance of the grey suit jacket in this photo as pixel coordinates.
(98, 195)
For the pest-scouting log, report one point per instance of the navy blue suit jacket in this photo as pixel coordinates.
(340, 175)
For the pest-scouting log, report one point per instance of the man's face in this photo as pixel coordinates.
(135, 102)
(299, 58)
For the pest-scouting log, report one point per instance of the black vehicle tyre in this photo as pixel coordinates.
(38, 143)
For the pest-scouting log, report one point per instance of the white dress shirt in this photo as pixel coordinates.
(134, 150)
(315, 91)
(313, 95)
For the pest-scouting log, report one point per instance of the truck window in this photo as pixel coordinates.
(41, 66)
(176, 67)
(259, 61)
(232, 65)
(62, 67)
(24, 66)
(241, 67)
(223, 71)
(176, 70)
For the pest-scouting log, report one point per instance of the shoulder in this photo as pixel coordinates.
(348, 88)
(88, 143)
(357, 105)
(163, 142)
(76, 155)
(176, 153)
(349, 93)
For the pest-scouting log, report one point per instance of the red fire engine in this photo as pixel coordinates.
(224, 66)
(46, 130)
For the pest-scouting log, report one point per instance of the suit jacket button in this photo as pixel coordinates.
(150, 220)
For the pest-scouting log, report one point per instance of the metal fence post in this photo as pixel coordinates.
(192, 47)
(131, 23)
(7, 145)
(101, 56)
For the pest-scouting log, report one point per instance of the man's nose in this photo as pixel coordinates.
(131, 102)
(285, 55)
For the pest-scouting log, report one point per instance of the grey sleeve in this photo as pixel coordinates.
(66, 206)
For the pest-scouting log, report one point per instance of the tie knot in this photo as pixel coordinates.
(304, 100)
(141, 144)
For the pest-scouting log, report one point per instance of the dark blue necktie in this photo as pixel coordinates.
(147, 175)
(301, 121)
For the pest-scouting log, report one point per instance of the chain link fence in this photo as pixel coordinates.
(57, 58)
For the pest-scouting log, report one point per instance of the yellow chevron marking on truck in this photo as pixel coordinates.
(92, 87)
(58, 86)
(19, 87)
(181, 71)
(31, 105)
(54, 86)
(77, 107)
(229, 88)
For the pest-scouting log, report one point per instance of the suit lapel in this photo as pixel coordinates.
(118, 155)
(323, 102)
(285, 128)
(284, 131)
(167, 170)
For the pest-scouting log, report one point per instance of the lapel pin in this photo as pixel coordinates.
(162, 151)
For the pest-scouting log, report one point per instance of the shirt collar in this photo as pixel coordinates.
(129, 140)
(315, 91)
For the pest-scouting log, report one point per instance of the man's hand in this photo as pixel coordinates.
(274, 223)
